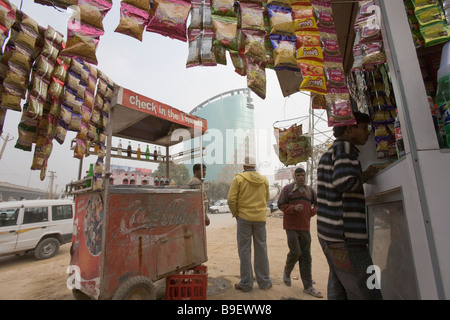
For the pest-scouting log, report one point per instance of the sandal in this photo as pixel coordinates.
(314, 292)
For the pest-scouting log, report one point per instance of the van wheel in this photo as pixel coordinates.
(137, 288)
(46, 248)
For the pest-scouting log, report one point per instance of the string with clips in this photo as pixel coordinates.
(298, 122)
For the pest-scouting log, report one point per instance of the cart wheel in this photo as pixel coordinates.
(78, 295)
(137, 288)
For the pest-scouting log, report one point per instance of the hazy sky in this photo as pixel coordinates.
(155, 67)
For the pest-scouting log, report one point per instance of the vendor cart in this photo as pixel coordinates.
(126, 237)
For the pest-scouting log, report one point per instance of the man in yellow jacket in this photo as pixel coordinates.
(247, 199)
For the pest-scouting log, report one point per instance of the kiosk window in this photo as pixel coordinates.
(391, 250)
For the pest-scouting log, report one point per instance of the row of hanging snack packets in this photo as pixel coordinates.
(252, 45)
(84, 29)
(282, 35)
(309, 53)
(368, 49)
(200, 36)
(337, 98)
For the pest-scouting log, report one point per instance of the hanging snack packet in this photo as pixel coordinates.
(83, 47)
(33, 108)
(308, 39)
(373, 53)
(251, 16)
(206, 54)
(284, 48)
(60, 133)
(339, 110)
(335, 76)
(318, 101)
(223, 8)
(313, 79)
(170, 19)
(299, 150)
(84, 29)
(226, 35)
(239, 63)
(196, 15)
(254, 44)
(103, 6)
(193, 59)
(256, 77)
(303, 17)
(132, 21)
(280, 19)
(312, 55)
(27, 129)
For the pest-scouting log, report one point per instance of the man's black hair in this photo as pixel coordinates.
(359, 117)
(299, 170)
(197, 166)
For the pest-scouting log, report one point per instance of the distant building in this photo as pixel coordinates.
(11, 192)
(230, 134)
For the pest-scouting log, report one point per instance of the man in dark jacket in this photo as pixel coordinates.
(297, 201)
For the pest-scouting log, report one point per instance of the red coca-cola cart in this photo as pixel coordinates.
(126, 237)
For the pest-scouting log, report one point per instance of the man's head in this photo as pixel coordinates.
(355, 134)
(250, 162)
(196, 169)
(300, 176)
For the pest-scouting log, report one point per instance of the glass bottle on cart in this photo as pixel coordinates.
(119, 148)
(90, 174)
(147, 153)
(138, 152)
(156, 181)
(155, 154)
(129, 149)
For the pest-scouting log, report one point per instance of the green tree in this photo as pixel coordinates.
(218, 190)
(178, 172)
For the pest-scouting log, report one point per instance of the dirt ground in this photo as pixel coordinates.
(24, 277)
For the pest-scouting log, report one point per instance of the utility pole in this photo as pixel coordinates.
(4, 144)
(52, 179)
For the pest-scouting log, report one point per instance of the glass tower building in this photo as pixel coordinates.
(230, 136)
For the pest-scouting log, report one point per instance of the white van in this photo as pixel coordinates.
(39, 225)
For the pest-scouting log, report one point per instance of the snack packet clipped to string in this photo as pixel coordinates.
(170, 19)
(132, 21)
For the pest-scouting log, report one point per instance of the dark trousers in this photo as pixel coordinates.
(299, 243)
(348, 277)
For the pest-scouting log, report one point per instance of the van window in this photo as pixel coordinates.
(8, 217)
(34, 215)
(62, 212)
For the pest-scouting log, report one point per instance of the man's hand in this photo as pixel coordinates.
(370, 172)
(298, 207)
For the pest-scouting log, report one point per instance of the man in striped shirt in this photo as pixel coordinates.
(341, 215)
